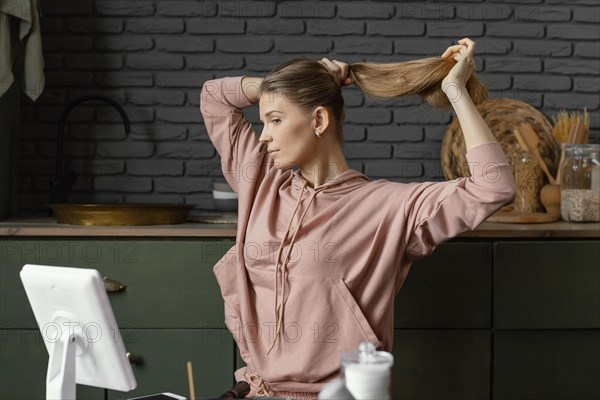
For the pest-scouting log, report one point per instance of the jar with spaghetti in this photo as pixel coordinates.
(580, 184)
(529, 179)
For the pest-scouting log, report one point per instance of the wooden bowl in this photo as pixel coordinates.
(120, 214)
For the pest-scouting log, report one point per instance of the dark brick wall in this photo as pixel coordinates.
(153, 56)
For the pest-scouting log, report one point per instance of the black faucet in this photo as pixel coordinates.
(64, 178)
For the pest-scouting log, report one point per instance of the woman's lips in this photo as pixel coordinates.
(271, 153)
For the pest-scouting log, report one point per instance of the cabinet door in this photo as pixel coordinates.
(170, 284)
(441, 364)
(451, 288)
(23, 366)
(162, 354)
(547, 285)
(550, 365)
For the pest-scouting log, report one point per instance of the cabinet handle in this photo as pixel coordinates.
(112, 285)
(131, 357)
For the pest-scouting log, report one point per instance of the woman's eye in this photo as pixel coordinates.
(276, 121)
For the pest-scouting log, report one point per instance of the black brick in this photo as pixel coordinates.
(94, 62)
(421, 150)
(158, 132)
(588, 50)
(235, 45)
(202, 27)
(542, 83)
(573, 32)
(456, 29)
(184, 150)
(127, 43)
(303, 45)
(178, 115)
(210, 62)
(95, 25)
(151, 97)
(154, 168)
(125, 79)
(555, 48)
(516, 30)
(368, 116)
(370, 10)
(154, 62)
(123, 183)
(363, 46)
(179, 185)
(425, 11)
(393, 28)
(591, 85)
(546, 14)
(367, 150)
(572, 66)
(571, 100)
(247, 10)
(190, 45)
(353, 133)
(395, 133)
(119, 8)
(483, 12)
(326, 27)
(283, 27)
(512, 64)
(305, 9)
(125, 150)
(155, 26)
(186, 8)
(66, 43)
(95, 132)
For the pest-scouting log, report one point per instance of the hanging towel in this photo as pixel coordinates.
(20, 35)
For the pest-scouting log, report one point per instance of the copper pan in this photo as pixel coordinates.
(120, 214)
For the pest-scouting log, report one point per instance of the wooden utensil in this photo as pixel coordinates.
(529, 141)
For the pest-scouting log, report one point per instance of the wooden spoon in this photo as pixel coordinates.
(529, 140)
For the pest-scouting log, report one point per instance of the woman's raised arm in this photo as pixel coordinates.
(250, 87)
(474, 128)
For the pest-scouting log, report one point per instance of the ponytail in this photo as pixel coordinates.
(423, 77)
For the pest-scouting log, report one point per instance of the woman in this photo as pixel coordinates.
(322, 251)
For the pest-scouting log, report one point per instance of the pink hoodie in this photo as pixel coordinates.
(337, 254)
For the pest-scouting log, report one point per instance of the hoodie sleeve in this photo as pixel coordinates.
(438, 211)
(221, 103)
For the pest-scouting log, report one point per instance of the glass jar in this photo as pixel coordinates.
(580, 183)
(529, 179)
(367, 372)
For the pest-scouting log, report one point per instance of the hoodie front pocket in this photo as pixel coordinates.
(356, 311)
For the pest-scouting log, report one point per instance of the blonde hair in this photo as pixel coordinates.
(309, 84)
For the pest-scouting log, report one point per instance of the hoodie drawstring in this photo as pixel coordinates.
(279, 307)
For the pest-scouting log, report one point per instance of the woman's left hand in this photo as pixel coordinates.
(465, 65)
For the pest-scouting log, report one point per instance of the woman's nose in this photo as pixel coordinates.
(263, 136)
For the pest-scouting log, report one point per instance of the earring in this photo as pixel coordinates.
(318, 134)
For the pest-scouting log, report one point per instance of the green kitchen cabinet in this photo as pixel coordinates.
(161, 356)
(451, 288)
(441, 364)
(23, 365)
(170, 311)
(547, 285)
(481, 318)
(547, 364)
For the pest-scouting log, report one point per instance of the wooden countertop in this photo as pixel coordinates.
(49, 227)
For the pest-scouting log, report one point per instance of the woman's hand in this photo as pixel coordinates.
(461, 72)
(339, 70)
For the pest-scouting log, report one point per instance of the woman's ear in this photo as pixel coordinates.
(322, 119)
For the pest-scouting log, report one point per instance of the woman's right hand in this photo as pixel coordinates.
(339, 70)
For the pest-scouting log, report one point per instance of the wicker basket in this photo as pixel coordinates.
(502, 116)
